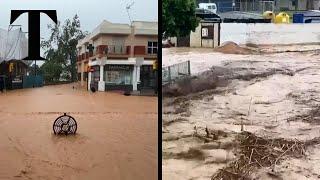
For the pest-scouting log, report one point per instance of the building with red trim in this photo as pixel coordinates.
(119, 56)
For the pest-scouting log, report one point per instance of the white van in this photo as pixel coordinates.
(212, 7)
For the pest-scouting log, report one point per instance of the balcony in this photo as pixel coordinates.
(142, 51)
(117, 52)
(112, 51)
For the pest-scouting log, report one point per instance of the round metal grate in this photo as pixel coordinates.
(65, 124)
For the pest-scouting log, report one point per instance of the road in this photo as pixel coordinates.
(116, 137)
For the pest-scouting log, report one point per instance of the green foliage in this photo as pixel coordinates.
(178, 17)
(52, 71)
(60, 50)
(32, 68)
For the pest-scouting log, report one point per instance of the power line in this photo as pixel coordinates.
(128, 7)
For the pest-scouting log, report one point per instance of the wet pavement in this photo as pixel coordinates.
(273, 95)
(116, 136)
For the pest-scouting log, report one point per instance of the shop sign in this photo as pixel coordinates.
(119, 67)
(155, 65)
(17, 79)
(204, 32)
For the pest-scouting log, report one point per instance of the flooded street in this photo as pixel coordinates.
(273, 94)
(116, 136)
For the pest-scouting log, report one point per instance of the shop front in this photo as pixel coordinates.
(118, 77)
(12, 73)
(133, 75)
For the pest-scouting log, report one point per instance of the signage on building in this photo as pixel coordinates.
(17, 79)
(207, 32)
(155, 65)
(204, 32)
(207, 24)
(119, 67)
(10, 67)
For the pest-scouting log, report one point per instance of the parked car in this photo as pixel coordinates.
(212, 7)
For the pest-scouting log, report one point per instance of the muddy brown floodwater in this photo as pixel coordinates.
(116, 136)
(274, 95)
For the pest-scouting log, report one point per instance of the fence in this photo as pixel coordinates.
(176, 71)
(246, 6)
(32, 81)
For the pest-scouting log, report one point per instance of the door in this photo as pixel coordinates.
(147, 77)
(207, 35)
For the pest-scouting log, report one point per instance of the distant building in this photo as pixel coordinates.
(119, 56)
(207, 34)
(263, 5)
(299, 5)
(13, 48)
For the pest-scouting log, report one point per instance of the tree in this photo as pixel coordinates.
(32, 68)
(51, 71)
(178, 17)
(60, 49)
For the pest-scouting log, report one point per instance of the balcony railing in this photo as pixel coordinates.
(121, 50)
(112, 50)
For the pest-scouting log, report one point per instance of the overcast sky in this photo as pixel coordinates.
(90, 12)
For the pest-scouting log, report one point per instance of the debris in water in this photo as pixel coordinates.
(65, 124)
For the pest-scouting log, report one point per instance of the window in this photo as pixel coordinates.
(118, 77)
(152, 47)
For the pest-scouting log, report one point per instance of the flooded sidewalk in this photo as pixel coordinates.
(116, 136)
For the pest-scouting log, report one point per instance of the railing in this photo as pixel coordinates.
(176, 71)
(246, 6)
(112, 50)
(117, 49)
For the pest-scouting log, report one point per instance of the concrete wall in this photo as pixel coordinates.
(195, 37)
(216, 35)
(270, 33)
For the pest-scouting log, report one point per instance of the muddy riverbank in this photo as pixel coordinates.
(272, 95)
